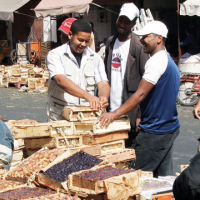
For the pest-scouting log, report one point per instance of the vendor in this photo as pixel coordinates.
(157, 94)
(75, 71)
(6, 146)
(189, 44)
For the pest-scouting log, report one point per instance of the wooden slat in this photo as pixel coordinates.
(98, 139)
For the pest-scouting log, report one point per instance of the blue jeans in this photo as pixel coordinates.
(6, 145)
(154, 152)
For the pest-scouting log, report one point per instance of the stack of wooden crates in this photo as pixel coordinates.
(107, 143)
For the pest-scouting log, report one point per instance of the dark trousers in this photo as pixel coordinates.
(154, 152)
(187, 184)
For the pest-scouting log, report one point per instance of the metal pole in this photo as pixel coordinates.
(178, 12)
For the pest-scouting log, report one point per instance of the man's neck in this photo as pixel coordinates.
(74, 53)
(123, 38)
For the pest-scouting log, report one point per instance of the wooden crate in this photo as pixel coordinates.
(14, 79)
(61, 127)
(118, 156)
(78, 184)
(56, 142)
(77, 113)
(16, 72)
(102, 149)
(109, 137)
(4, 82)
(22, 131)
(92, 128)
(53, 184)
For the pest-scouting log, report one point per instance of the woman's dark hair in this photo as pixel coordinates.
(80, 25)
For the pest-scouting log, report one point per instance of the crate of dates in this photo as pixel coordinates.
(25, 171)
(115, 182)
(55, 176)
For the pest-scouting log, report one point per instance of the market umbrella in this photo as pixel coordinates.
(54, 7)
(190, 7)
(8, 7)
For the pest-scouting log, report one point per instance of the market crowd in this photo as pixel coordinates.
(134, 75)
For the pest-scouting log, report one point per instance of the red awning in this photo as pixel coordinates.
(58, 7)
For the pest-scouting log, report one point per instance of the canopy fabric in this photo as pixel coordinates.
(58, 7)
(190, 7)
(8, 7)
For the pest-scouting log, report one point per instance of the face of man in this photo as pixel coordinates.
(79, 41)
(151, 43)
(124, 25)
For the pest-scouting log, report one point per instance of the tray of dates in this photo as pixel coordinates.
(26, 170)
(106, 179)
(55, 175)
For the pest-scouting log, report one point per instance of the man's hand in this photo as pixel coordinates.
(103, 103)
(106, 118)
(196, 112)
(138, 120)
(93, 100)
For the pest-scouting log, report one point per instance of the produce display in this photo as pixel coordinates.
(57, 196)
(24, 193)
(102, 173)
(152, 184)
(34, 163)
(5, 184)
(77, 162)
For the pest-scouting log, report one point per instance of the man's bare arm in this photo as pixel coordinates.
(143, 90)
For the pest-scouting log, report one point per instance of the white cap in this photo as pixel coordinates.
(129, 10)
(155, 27)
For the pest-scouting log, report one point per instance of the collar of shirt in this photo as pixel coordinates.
(87, 53)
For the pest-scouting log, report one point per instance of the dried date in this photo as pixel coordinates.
(77, 162)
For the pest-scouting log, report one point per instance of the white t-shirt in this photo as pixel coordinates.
(118, 68)
(155, 67)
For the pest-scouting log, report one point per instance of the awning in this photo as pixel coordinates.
(190, 7)
(58, 7)
(8, 7)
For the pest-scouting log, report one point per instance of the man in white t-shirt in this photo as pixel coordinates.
(124, 62)
(157, 94)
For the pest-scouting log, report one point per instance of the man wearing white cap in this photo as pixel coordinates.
(157, 93)
(124, 62)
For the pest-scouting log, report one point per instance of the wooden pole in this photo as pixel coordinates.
(178, 13)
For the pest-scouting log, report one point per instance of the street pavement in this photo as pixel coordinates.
(20, 105)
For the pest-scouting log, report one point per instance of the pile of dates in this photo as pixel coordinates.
(5, 184)
(102, 173)
(25, 193)
(79, 161)
(57, 196)
(34, 163)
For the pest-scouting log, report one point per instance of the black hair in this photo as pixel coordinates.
(80, 25)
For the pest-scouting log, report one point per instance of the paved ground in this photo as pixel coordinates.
(17, 105)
